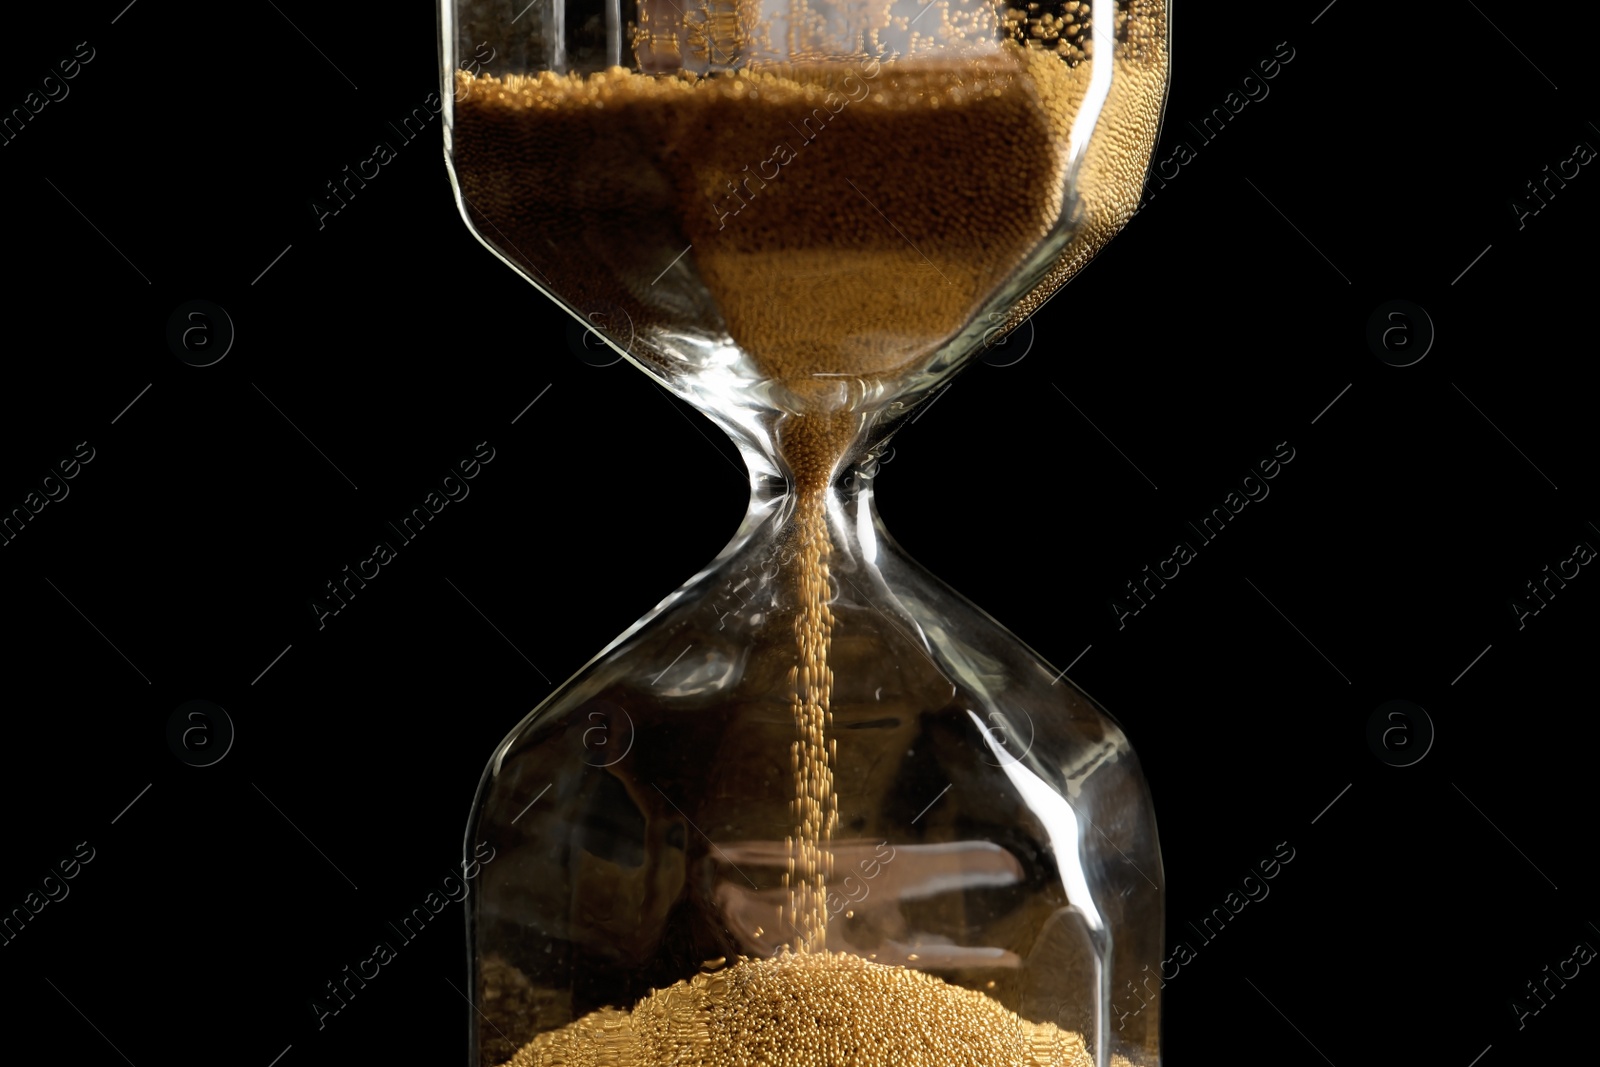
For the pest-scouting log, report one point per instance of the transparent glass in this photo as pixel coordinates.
(815, 808)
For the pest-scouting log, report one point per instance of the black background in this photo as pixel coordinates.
(1227, 318)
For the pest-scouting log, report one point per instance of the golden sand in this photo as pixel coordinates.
(813, 1010)
(831, 243)
(812, 754)
(835, 218)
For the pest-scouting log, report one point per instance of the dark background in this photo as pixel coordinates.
(377, 351)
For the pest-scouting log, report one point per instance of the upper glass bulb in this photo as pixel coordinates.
(806, 203)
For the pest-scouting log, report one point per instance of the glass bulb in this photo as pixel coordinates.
(815, 808)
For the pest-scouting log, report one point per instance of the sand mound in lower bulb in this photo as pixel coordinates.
(809, 1010)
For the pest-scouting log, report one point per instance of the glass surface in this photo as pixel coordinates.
(815, 808)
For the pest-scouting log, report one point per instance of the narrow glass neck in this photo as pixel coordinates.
(813, 468)
(781, 501)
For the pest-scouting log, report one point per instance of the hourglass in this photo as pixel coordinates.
(815, 808)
